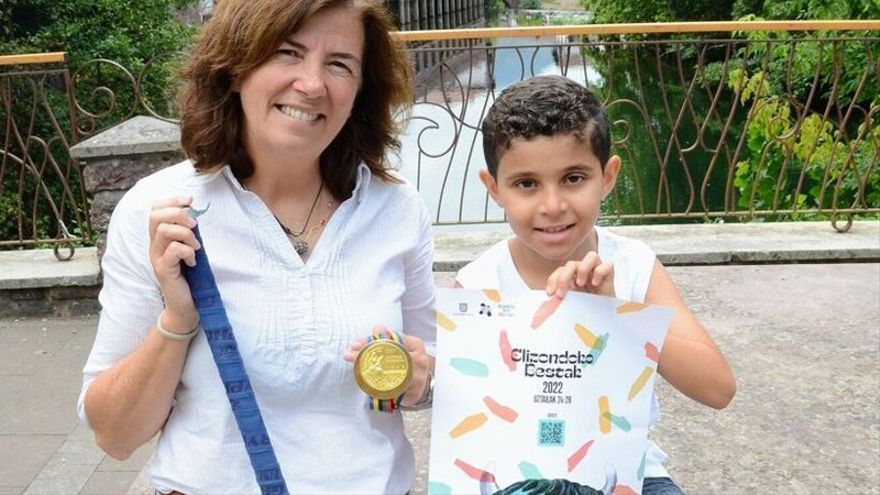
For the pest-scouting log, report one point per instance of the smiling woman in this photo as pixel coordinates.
(299, 99)
(286, 117)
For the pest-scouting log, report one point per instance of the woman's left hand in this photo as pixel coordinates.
(422, 363)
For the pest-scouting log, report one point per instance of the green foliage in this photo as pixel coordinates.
(622, 11)
(530, 4)
(790, 62)
(618, 11)
(131, 33)
(128, 32)
(814, 165)
(785, 164)
(807, 9)
(493, 8)
(533, 19)
(566, 20)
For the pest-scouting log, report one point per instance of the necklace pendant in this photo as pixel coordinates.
(301, 247)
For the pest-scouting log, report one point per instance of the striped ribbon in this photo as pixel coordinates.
(385, 405)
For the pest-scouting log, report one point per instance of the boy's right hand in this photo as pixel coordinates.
(172, 241)
(588, 275)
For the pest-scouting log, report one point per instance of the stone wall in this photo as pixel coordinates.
(34, 282)
(49, 301)
(118, 157)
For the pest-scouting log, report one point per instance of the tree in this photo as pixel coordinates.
(621, 11)
(794, 157)
(131, 33)
(624, 11)
(807, 9)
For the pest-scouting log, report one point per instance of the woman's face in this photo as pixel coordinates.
(297, 101)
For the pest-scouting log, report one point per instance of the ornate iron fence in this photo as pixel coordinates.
(44, 110)
(41, 201)
(763, 124)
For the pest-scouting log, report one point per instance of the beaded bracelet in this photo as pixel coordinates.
(175, 336)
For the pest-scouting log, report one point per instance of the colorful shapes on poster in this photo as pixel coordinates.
(468, 424)
(585, 335)
(493, 295)
(545, 310)
(640, 382)
(437, 488)
(596, 344)
(529, 471)
(619, 421)
(503, 412)
(578, 456)
(652, 353)
(469, 367)
(506, 350)
(624, 490)
(445, 322)
(630, 307)
(604, 415)
(640, 474)
(599, 347)
(473, 472)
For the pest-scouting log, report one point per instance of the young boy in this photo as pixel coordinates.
(547, 146)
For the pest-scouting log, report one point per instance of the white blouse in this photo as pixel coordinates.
(292, 320)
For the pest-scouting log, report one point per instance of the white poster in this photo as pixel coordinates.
(539, 387)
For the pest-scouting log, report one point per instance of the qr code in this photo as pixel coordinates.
(551, 432)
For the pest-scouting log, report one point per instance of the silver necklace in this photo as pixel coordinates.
(301, 245)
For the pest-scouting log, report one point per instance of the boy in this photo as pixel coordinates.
(547, 146)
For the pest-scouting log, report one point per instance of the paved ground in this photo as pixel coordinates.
(803, 339)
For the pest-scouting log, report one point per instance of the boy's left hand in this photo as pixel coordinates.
(588, 275)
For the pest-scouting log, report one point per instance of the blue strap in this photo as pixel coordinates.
(218, 331)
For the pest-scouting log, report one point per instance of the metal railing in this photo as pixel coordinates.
(775, 125)
(775, 120)
(41, 199)
(44, 110)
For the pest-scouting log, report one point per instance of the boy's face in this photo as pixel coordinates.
(550, 188)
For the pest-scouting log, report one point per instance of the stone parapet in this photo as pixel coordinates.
(120, 173)
(707, 244)
(120, 156)
(33, 282)
(49, 301)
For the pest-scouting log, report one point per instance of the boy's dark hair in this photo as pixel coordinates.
(545, 106)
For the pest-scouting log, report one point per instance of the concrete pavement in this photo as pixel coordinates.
(803, 339)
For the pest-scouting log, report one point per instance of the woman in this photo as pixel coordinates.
(287, 116)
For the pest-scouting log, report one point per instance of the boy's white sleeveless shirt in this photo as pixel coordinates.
(633, 265)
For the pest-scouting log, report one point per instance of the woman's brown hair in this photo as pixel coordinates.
(243, 34)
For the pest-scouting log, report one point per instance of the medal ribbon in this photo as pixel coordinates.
(385, 405)
(220, 337)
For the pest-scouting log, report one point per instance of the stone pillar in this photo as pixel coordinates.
(118, 157)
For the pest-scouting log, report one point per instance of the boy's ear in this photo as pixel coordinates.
(491, 185)
(609, 177)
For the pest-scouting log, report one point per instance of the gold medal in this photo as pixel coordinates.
(383, 368)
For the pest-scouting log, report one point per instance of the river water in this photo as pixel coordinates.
(441, 150)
